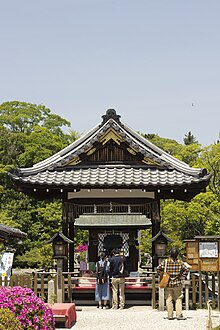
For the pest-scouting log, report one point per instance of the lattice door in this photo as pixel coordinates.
(124, 236)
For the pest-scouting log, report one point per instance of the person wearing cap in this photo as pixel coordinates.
(173, 292)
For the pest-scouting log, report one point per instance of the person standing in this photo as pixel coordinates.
(117, 268)
(102, 292)
(173, 293)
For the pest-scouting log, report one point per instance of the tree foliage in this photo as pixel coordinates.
(210, 159)
(201, 216)
(29, 133)
(189, 139)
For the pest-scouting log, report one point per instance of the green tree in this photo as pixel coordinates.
(189, 154)
(210, 159)
(29, 133)
(170, 146)
(189, 139)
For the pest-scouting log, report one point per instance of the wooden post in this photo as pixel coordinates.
(206, 288)
(155, 219)
(194, 289)
(187, 284)
(69, 288)
(59, 281)
(35, 283)
(153, 290)
(218, 276)
(213, 290)
(42, 286)
(200, 289)
(71, 246)
(161, 299)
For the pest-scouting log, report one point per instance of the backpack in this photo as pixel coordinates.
(101, 274)
(122, 270)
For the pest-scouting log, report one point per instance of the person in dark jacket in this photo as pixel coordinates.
(117, 269)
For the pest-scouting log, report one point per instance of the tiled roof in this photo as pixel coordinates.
(135, 140)
(111, 176)
(10, 231)
(166, 170)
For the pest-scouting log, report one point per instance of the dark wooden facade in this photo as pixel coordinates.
(111, 182)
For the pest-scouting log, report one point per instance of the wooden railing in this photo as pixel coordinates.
(111, 207)
(202, 287)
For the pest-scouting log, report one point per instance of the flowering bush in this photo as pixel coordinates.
(30, 310)
(8, 320)
(82, 248)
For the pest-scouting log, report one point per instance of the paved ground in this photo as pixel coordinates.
(140, 318)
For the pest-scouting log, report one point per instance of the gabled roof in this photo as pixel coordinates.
(161, 235)
(59, 237)
(155, 168)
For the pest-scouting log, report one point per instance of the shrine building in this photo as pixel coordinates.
(111, 181)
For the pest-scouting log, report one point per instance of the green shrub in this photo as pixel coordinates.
(8, 320)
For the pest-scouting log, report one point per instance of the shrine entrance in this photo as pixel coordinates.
(115, 229)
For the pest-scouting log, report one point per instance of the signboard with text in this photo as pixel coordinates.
(208, 249)
(6, 264)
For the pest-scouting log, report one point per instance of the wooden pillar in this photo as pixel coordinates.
(68, 218)
(71, 220)
(200, 289)
(65, 231)
(213, 291)
(93, 245)
(71, 246)
(155, 219)
(133, 251)
(59, 281)
(153, 295)
(218, 281)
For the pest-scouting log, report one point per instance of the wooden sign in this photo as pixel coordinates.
(208, 265)
(203, 254)
(192, 253)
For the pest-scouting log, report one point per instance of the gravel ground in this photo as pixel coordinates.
(139, 318)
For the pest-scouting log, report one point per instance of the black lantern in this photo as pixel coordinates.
(60, 247)
(159, 242)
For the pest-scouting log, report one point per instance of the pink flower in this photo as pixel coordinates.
(30, 310)
(82, 248)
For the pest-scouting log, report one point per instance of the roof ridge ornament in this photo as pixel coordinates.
(111, 113)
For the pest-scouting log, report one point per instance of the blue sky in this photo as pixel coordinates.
(156, 62)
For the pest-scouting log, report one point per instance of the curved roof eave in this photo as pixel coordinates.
(58, 157)
(177, 164)
(86, 140)
(10, 231)
(112, 177)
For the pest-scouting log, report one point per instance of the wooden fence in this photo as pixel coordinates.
(200, 289)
